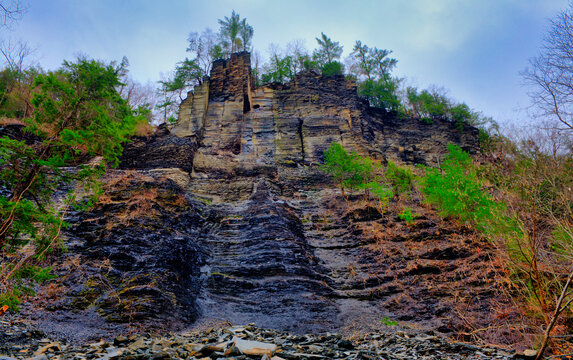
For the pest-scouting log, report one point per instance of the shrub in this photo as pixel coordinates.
(348, 170)
(381, 93)
(383, 192)
(407, 215)
(333, 68)
(456, 191)
(401, 178)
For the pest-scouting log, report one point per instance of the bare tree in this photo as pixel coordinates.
(10, 11)
(299, 53)
(551, 73)
(16, 54)
(202, 46)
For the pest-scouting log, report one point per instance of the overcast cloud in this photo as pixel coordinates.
(474, 49)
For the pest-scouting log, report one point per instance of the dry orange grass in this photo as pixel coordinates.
(4, 121)
(144, 129)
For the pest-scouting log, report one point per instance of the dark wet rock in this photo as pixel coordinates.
(159, 150)
(134, 258)
(17, 132)
(259, 257)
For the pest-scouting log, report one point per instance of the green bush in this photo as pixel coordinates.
(407, 215)
(401, 178)
(456, 191)
(383, 192)
(333, 68)
(348, 170)
(381, 93)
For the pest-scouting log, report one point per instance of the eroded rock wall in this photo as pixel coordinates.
(280, 132)
(239, 224)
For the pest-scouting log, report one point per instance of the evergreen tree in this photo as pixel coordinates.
(78, 112)
(235, 33)
(328, 50)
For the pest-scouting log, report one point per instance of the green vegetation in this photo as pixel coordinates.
(372, 68)
(333, 68)
(407, 215)
(388, 322)
(383, 193)
(355, 172)
(348, 170)
(429, 106)
(456, 191)
(401, 178)
(74, 113)
(235, 34)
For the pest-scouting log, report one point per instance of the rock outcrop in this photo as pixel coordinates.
(236, 222)
(281, 131)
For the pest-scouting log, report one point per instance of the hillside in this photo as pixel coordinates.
(227, 217)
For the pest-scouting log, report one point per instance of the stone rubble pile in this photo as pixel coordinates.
(249, 342)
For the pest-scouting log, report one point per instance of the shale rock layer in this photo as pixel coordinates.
(228, 217)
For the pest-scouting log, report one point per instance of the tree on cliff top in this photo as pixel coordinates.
(372, 68)
(203, 46)
(235, 33)
(328, 50)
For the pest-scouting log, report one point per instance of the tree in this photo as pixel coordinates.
(203, 46)
(187, 75)
(381, 63)
(365, 64)
(381, 93)
(10, 11)
(246, 33)
(235, 33)
(333, 68)
(299, 54)
(434, 104)
(551, 73)
(15, 55)
(328, 50)
(348, 170)
(78, 113)
(282, 65)
(372, 69)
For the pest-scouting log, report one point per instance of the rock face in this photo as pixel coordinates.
(229, 218)
(281, 131)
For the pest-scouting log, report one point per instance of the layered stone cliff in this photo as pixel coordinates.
(281, 131)
(228, 217)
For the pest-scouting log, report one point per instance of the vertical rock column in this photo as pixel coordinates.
(229, 99)
(192, 111)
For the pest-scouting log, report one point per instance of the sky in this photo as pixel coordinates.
(473, 49)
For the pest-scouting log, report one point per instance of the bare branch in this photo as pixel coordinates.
(16, 55)
(10, 12)
(551, 73)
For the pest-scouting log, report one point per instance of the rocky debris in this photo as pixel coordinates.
(249, 342)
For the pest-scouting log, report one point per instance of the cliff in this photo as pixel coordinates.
(228, 217)
(281, 131)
